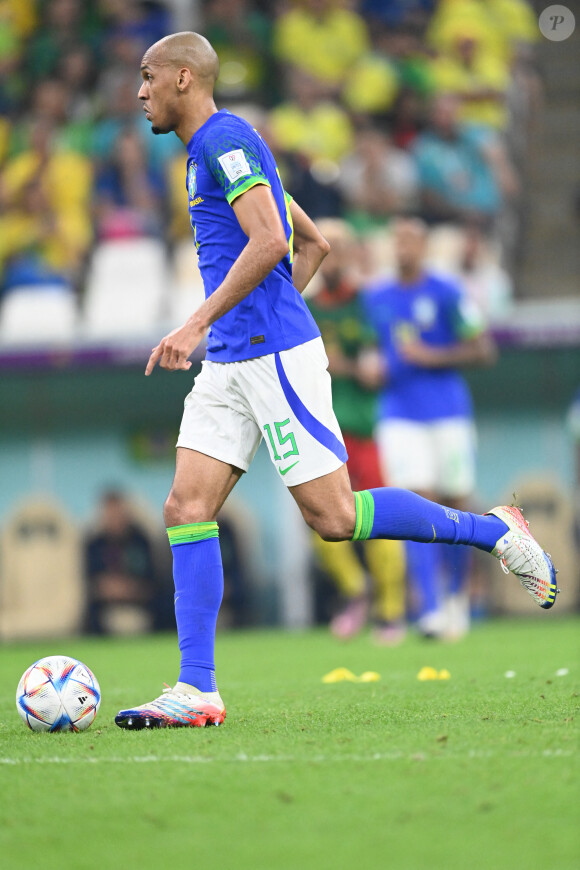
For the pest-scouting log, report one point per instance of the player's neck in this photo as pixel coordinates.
(410, 276)
(195, 118)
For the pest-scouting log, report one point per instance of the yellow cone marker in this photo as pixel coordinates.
(338, 675)
(427, 674)
(444, 674)
(369, 677)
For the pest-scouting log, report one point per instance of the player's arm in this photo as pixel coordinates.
(474, 345)
(310, 247)
(477, 351)
(259, 218)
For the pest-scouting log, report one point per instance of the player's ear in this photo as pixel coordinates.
(183, 79)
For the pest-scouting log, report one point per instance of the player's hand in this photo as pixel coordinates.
(173, 351)
(420, 354)
(371, 369)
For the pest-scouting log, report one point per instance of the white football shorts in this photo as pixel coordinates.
(283, 397)
(436, 456)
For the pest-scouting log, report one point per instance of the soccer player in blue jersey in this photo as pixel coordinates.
(264, 376)
(428, 330)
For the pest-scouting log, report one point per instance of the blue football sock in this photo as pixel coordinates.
(457, 562)
(402, 515)
(424, 565)
(199, 585)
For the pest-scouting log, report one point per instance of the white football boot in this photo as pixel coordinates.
(179, 707)
(521, 554)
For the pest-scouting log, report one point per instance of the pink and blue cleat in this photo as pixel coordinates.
(182, 706)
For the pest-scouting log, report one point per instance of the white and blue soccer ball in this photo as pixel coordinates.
(58, 693)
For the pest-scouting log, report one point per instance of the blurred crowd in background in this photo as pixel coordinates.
(373, 109)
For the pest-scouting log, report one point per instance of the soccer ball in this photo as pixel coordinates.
(58, 693)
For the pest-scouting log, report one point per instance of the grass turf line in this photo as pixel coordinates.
(478, 770)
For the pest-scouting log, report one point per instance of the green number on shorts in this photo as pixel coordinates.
(282, 439)
(277, 456)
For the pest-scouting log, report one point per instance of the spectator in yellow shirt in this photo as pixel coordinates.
(499, 25)
(309, 124)
(35, 240)
(477, 77)
(453, 18)
(322, 37)
(45, 203)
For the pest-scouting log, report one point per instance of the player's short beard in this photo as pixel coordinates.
(160, 130)
(409, 270)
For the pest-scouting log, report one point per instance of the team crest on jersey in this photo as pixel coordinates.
(425, 312)
(192, 180)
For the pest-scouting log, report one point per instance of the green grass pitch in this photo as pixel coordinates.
(479, 771)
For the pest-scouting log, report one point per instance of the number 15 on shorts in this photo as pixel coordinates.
(278, 441)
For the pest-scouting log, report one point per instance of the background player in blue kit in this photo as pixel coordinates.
(264, 376)
(428, 330)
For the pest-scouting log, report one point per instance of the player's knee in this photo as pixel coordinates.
(334, 525)
(178, 511)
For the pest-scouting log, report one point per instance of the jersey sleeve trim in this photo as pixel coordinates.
(469, 321)
(467, 332)
(251, 182)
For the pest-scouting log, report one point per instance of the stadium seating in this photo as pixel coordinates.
(38, 315)
(125, 288)
(186, 292)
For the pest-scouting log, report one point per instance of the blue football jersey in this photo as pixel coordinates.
(226, 158)
(435, 311)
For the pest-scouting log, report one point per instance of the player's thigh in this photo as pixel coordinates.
(456, 444)
(216, 421)
(289, 395)
(406, 450)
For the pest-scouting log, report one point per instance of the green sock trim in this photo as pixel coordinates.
(189, 533)
(365, 515)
